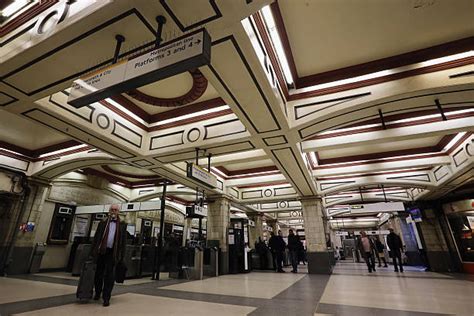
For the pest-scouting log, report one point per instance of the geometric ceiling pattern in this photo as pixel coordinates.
(293, 104)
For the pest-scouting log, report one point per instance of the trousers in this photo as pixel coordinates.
(105, 274)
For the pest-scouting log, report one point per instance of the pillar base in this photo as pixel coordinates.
(320, 262)
(223, 262)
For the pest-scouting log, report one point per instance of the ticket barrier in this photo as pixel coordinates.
(211, 262)
(191, 263)
(40, 249)
(147, 259)
(132, 260)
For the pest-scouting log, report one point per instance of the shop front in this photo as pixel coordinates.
(460, 216)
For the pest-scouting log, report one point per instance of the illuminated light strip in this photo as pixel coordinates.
(14, 7)
(454, 141)
(275, 37)
(13, 152)
(387, 72)
(407, 120)
(60, 151)
(183, 117)
(126, 111)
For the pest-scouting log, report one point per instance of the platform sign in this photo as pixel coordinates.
(195, 172)
(180, 55)
(196, 211)
(377, 207)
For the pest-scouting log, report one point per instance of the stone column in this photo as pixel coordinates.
(218, 220)
(257, 230)
(25, 241)
(273, 224)
(319, 258)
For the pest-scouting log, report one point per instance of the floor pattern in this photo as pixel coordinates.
(350, 290)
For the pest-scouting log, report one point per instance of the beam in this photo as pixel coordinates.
(339, 170)
(390, 135)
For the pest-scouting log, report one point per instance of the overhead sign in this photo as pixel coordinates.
(342, 233)
(197, 173)
(373, 232)
(251, 223)
(182, 54)
(377, 207)
(196, 211)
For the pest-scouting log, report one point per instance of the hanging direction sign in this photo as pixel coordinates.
(182, 54)
(197, 173)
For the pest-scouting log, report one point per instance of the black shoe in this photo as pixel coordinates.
(106, 303)
(370, 271)
(401, 270)
(396, 270)
(294, 271)
(96, 297)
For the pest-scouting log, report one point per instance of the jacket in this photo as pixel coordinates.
(119, 245)
(394, 242)
(276, 243)
(293, 243)
(361, 246)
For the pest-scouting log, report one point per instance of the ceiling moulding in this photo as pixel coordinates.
(197, 90)
(442, 50)
(24, 17)
(175, 113)
(33, 155)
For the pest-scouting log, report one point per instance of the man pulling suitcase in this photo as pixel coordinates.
(108, 250)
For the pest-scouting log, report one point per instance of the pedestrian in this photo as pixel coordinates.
(366, 247)
(293, 247)
(380, 253)
(108, 250)
(261, 249)
(277, 246)
(395, 244)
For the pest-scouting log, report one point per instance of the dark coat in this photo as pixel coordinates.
(277, 244)
(119, 245)
(379, 246)
(394, 242)
(293, 243)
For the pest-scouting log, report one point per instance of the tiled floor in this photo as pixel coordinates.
(259, 285)
(350, 290)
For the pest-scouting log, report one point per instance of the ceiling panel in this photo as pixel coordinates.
(27, 134)
(383, 147)
(250, 165)
(328, 34)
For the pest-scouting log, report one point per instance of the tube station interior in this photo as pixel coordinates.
(265, 157)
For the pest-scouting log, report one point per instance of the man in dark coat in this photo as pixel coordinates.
(108, 250)
(293, 247)
(261, 249)
(395, 244)
(277, 246)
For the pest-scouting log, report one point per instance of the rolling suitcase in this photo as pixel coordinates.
(86, 281)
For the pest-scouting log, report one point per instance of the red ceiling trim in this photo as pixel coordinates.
(459, 142)
(381, 161)
(191, 120)
(401, 116)
(262, 185)
(192, 108)
(196, 91)
(280, 26)
(381, 155)
(271, 53)
(446, 49)
(26, 16)
(392, 126)
(370, 174)
(34, 154)
(155, 118)
(392, 77)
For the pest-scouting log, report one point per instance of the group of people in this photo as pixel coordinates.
(277, 247)
(368, 247)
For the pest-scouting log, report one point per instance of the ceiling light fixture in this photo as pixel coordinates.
(60, 151)
(275, 37)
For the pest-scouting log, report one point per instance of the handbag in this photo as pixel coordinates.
(120, 272)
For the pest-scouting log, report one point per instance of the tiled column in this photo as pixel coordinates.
(319, 258)
(257, 230)
(218, 219)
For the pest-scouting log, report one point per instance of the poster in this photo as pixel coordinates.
(81, 225)
(470, 219)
